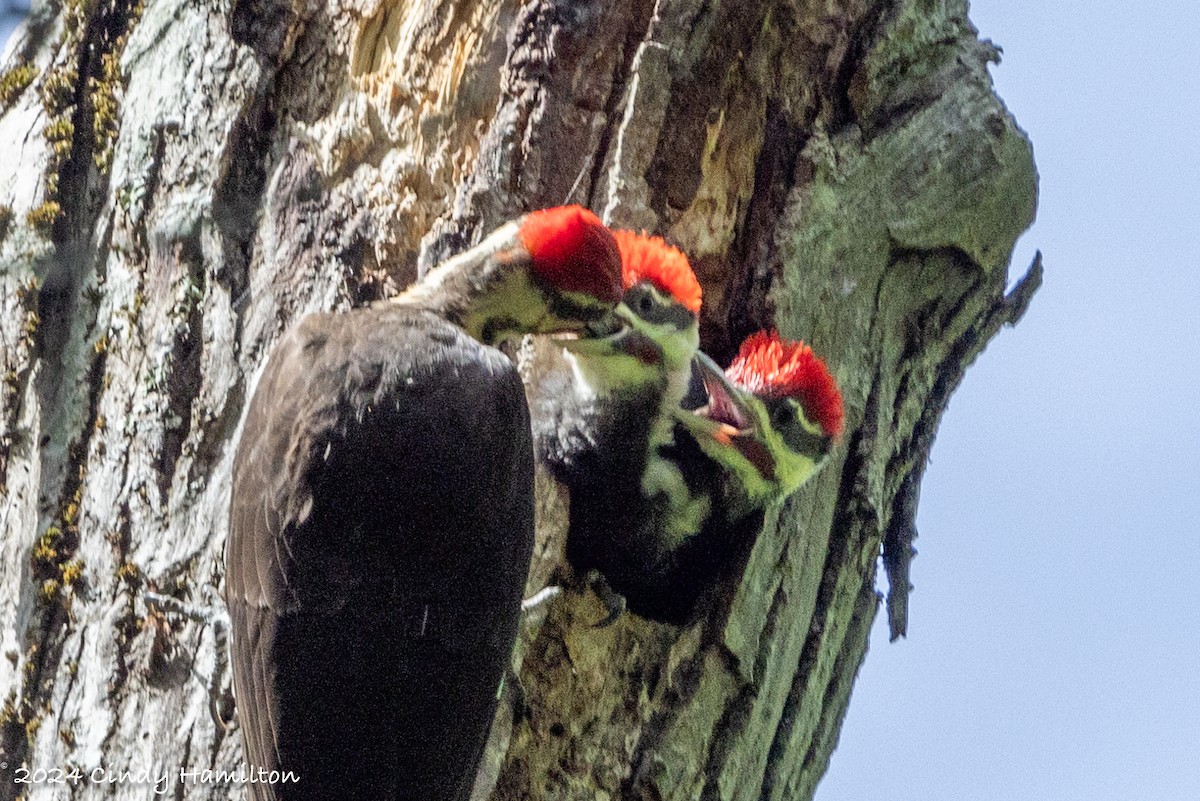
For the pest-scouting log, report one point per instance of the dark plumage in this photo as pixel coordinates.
(602, 412)
(381, 528)
(569, 420)
(619, 531)
(598, 447)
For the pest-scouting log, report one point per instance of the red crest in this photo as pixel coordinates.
(770, 366)
(649, 258)
(573, 251)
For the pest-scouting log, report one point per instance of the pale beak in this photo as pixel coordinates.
(726, 404)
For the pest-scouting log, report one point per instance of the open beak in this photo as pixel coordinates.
(725, 404)
(737, 425)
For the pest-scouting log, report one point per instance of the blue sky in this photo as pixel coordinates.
(1054, 636)
(11, 12)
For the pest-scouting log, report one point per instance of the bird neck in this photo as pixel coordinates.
(745, 463)
(610, 377)
(665, 480)
(487, 290)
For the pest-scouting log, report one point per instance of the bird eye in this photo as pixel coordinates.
(781, 415)
(645, 304)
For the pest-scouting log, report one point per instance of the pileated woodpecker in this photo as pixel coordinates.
(599, 407)
(777, 411)
(381, 518)
(769, 424)
(603, 403)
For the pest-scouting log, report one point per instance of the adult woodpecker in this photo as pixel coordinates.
(769, 424)
(381, 518)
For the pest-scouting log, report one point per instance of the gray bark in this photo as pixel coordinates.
(182, 181)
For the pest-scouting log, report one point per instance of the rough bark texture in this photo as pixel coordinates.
(182, 180)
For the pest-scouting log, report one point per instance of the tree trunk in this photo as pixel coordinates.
(182, 181)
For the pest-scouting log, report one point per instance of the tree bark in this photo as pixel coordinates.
(182, 181)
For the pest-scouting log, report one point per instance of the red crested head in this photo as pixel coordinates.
(649, 258)
(572, 251)
(770, 366)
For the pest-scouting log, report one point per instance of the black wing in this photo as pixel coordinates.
(380, 531)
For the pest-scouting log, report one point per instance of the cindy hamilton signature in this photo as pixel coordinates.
(161, 779)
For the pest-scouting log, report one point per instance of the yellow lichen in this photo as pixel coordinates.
(45, 550)
(105, 116)
(15, 81)
(27, 292)
(8, 711)
(72, 572)
(8, 715)
(59, 134)
(44, 216)
(58, 90)
(103, 90)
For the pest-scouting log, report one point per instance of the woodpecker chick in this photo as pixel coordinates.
(626, 372)
(769, 423)
(602, 402)
(771, 419)
(381, 518)
(596, 402)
